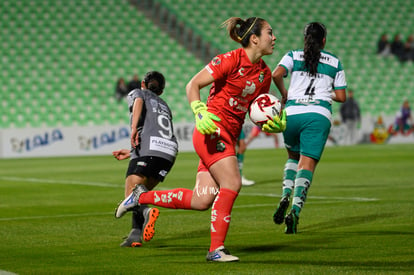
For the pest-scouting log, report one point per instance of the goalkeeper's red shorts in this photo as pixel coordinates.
(212, 148)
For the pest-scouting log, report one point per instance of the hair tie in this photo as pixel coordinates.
(248, 30)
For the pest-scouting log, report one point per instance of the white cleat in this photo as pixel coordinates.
(246, 182)
(221, 254)
(131, 201)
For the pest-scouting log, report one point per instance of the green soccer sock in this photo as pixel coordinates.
(302, 183)
(240, 160)
(289, 176)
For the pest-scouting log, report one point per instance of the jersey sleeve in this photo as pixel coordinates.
(340, 80)
(287, 63)
(221, 65)
(132, 96)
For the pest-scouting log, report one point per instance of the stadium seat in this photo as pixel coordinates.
(60, 55)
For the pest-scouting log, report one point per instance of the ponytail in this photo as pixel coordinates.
(155, 82)
(240, 30)
(314, 34)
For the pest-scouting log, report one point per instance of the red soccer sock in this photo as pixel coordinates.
(221, 216)
(179, 198)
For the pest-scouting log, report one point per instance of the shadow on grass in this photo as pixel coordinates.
(349, 221)
(163, 241)
(360, 265)
(302, 245)
(184, 247)
(264, 254)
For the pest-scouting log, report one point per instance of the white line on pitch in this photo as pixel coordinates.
(111, 213)
(313, 197)
(103, 184)
(74, 182)
(55, 216)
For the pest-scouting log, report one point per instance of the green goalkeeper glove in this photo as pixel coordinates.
(204, 119)
(277, 125)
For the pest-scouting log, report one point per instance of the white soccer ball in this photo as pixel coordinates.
(264, 108)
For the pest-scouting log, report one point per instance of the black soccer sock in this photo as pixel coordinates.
(138, 217)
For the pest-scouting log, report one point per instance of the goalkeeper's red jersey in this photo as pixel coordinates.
(237, 83)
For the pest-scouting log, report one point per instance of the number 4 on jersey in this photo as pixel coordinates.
(310, 90)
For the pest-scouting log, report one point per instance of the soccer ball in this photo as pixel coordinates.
(264, 108)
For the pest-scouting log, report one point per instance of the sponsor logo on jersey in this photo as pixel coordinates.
(241, 71)
(160, 108)
(233, 102)
(325, 58)
(249, 89)
(307, 101)
(163, 145)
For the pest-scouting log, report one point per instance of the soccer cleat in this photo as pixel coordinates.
(221, 254)
(131, 201)
(279, 215)
(246, 182)
(291, 221)
(148, 228)
(134, 239)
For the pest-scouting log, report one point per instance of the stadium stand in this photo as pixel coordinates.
(353, 30)
(61, 58)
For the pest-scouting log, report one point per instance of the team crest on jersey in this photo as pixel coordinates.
(216, 61)
(261, 77)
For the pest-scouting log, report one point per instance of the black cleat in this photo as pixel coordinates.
(279, 215)
(291, 221)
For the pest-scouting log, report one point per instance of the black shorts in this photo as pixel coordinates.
(150, 167)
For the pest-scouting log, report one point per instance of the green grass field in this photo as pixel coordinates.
(56, 217)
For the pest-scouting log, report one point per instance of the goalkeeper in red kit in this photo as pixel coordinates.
(237, 78)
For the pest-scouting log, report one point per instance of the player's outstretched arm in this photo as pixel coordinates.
(121, 154)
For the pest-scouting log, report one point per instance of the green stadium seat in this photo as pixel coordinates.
(70, 57)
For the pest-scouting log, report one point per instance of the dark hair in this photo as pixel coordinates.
(314, 34)
(240, 30)
(155, 82)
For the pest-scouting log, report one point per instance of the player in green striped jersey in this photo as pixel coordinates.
(317, 79)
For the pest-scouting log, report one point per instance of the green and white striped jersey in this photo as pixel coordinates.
(312, 93)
